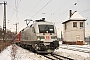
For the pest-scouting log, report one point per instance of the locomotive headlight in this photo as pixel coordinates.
(38, 38)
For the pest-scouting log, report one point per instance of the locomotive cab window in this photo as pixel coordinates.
(46, 28)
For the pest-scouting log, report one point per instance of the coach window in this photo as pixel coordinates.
(74, 24)
(33, 29)
(81, 24)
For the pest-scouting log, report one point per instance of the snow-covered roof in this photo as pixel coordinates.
(75, 17)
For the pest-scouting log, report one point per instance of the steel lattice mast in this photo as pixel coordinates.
(4, 22)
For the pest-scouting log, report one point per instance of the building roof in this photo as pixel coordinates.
(75, 17)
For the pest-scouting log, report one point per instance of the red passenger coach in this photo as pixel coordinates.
(17, 38)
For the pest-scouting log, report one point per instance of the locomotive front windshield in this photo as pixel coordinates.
(46, 28)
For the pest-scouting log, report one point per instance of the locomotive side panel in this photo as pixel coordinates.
(28, 36)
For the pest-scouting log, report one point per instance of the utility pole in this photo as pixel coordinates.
(16, 26)
(61, 36)
(28, 21)
(4, 22)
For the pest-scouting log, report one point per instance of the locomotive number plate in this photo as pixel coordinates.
(47, 37)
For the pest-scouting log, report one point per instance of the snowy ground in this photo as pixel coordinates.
(14, 52)
(20, 54)
(77, 52)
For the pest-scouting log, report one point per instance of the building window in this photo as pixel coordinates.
(74, 24)
(81, 24)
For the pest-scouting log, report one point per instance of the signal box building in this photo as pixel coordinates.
(74, 29)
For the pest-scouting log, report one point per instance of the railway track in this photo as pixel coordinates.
(81, 47)
(77, 49)
(56, 57)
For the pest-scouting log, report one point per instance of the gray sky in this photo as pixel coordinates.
(55, 11)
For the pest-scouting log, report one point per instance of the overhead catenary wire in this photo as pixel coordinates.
(14, 9)
(85, 10)
(0, 8)
(62, 13)
(42, 8)
(79, 1)
(34, 6)
(60, 7)
(67, 9)
(18, 10)
(17, 4)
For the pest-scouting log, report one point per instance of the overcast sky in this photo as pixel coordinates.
(55, 11)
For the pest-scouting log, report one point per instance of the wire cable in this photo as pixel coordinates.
(67, 9)
(42, 8)
(16, 5)
(62, 13)
(0, 8)
(16, 10)
(85, 10)
(59, 8)
(35, 6)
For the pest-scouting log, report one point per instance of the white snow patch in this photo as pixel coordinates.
(21, 54)
(77, 16)
(60, 42)
(76, 55)
(6, 54)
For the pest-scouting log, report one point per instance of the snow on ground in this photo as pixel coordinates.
(68, 52)
(14, 52)
(5, 55)
(21, 54)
